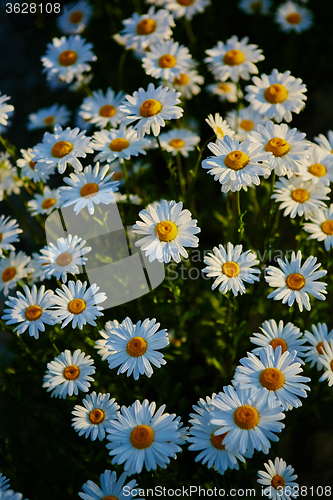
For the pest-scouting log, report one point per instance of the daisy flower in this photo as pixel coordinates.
(327, 362)
(9, 180)
(326, 143)
(118, 144)
(77, 304)
(321, 226)
(234, 59)
(102, 109)
(28, 166)
(10, 495)
(38, 272)
(220, 126)
(61, 148)
(110, 488)
(138, 438)
(277, 95)
(277, 373)
(167, 229)
(187, 8)
(93, 418)
(292, 17)
(230, 267)
(151, 108)
(236, 165)
(31, 311)
(187, 83)
(134, 348)
(64, 257)
(226, 91)
(48, 117)
(299, 197)
(44, 203)
(288, 337)
(318, 168)
(76, 18)
(87, 188)
(12, 269)
(4, 483)
(140, 32)
(316, 349)
(103, 348)
(179, 141)
(294, 282)
(246, 420)
(166, 60)
(288, 147)
(67, 58)
(244, 121)
(279, 480)
(9, 231)
(213, 452)
(68, 373)
(255, 6)
(5, 109)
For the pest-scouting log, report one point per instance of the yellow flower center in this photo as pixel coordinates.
(76, 306)
(279, 342)
(216, 441)
(246, 417)
(224, 87)
(48, 203)
(32, 164)
(117, 176)
(327, 227)
(294, 18)
(181, 80)
(185, 3)
(321, 348)
(278, 146)
(71, 372)
(277, 481)
(49, 120)
(275, 93)
(233, 57)
(1, 236)
(107, 111)
(76, 17)
(146, 27)
(247, 125)
(166, 230)
(236, 160)
(255, 6)
(136, 347)
(8, 274)
(150, 107)
(32, 313)
(142, 436)
(271, 378)
(317, 169)
(119, 144)
(176, 143)
(295, 281)
(167, 61)
(67, 58)
(96, 416)
(64, 259)
(219, 132)
(300, 195)
(231, 269)
(90, 189)
(61, 149)
(110, 497)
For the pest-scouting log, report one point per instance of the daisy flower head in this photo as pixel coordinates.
(28, 166)
(327, 362)
(299, 197)
(255, 6)
(68, 373)
(288, 147)
(62, 147)
(318, 167)
(109, 488)
(277, 95)
(244, 121)
(293, 17)
(38, 272)
(230, 267)
(166, 60)
(294, 281)
(288, 337)
(213, 452)
(187, 8)
(321, 226)
(5, 109)
(167, 230)
(245, 419)
(64, 257)
(12, 269)
(68, 58)
(179, 141)
(92, 419)
(44, 203)
(9, 180)
(226, 91)
(102, 109)
(121, 144)
(10, 495)
(76, 18)
(315, 347)
(326, 143)
(140, 438)
(134, 348)
(188, 83)
(234, 59)
(100, 344)
(4, 483)
(236, 165)
(48, 117)
(220, 126)
(279, 480)
(151, 108)
(31, 310)
(9, 231)
(88, 188)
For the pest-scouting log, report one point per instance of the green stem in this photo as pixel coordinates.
(126, 181)
(10, 148)
(189, 32)
(121, 69)
(182, 181)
